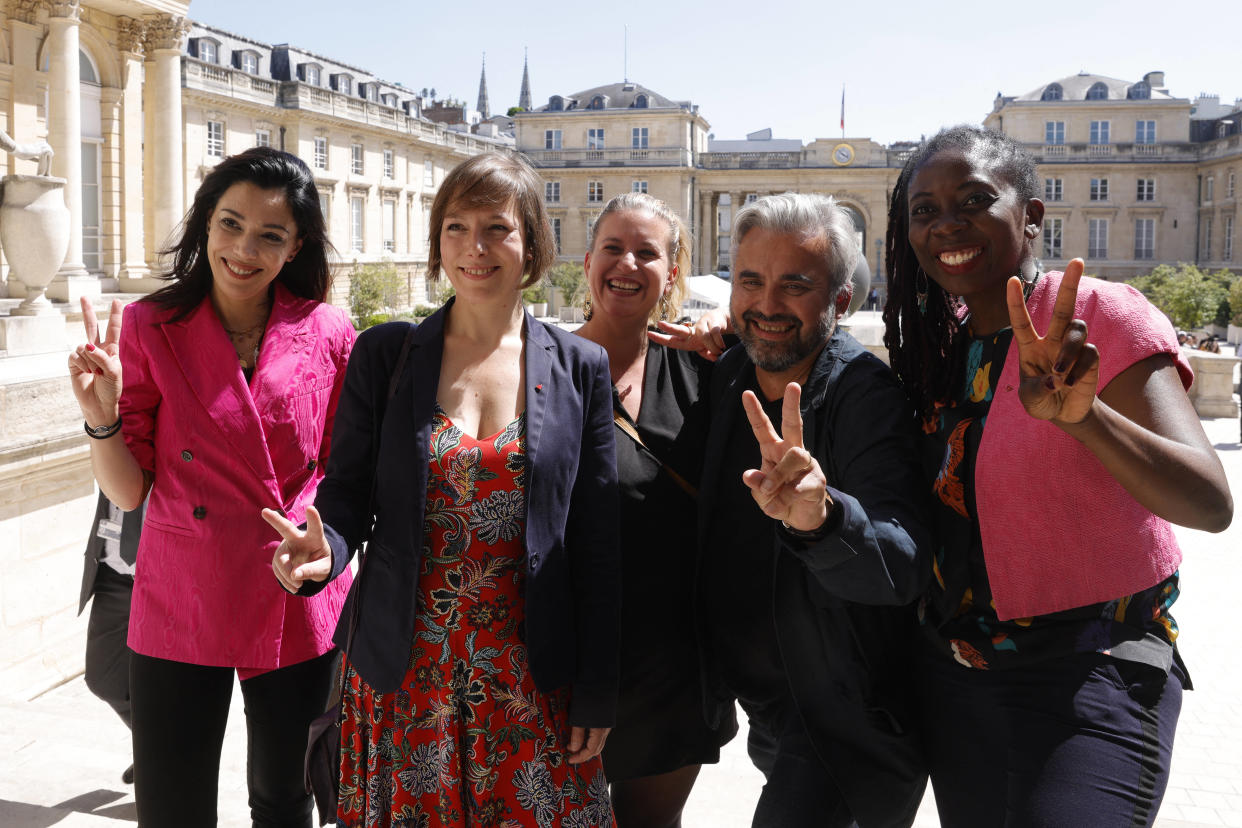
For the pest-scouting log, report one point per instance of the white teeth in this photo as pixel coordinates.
(631, 287)
(474, 271)
(771, 328)
(241, 271)
(957, 257)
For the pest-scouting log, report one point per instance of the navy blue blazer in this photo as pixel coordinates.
(572, 559)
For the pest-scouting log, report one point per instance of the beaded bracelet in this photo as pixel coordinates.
(102, 432)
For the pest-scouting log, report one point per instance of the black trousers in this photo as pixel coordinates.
(179, 716)
(107, 654)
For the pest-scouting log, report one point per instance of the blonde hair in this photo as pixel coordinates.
(679, 245)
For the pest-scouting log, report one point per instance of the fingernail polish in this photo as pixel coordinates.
(90, 347)
(1059, 367)
(1050, 383)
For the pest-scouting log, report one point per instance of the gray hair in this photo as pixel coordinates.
(808, 215)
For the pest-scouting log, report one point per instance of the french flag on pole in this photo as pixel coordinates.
(842, 110)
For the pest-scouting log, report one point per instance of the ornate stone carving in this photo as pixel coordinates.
(67, 9)
(130, 34)
(23, 10)
(166, 31)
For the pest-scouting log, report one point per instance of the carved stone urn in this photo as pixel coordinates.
(34, 232)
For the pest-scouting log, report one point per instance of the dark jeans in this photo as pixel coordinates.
(798, 792)
(179, 714)
(1082, 740)
(107, 654)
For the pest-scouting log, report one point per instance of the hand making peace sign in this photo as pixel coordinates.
(789, 485)
(1060, 371)
(95, 368)
(301, 555)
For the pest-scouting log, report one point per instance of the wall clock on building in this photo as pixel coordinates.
(842, 154)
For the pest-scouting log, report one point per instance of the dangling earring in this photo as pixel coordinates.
(920, 289)
(587, 310)
(664, 307)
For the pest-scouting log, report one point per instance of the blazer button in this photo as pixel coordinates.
(200, 512)
(186, 456)
(311, 465)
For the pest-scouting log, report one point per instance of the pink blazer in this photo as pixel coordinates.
(220, 451)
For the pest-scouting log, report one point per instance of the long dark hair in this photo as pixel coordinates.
(922, 342)
(307, 276)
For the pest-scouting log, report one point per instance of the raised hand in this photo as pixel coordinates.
(789, 485)
(301, 556)
(1060, 371)
(95, 368)
(706, 336)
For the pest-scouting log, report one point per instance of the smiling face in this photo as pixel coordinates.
(251, 235)
(783, 304)
(969, 227)
(482, 252)
(628, 267)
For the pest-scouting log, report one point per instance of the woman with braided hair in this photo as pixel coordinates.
(1049, 678)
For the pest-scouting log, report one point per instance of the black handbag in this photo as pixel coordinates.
(322, 763)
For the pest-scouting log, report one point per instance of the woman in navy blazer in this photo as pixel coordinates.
(482, 364)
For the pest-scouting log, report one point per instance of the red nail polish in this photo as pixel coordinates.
(99, 371)
(90, 347)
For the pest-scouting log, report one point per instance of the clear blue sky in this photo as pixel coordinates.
(908, 68)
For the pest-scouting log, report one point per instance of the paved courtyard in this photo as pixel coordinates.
(66, 750)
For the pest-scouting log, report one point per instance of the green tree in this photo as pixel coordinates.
(570, 279)
(1190, 297)
(513, 110)
(374, 293)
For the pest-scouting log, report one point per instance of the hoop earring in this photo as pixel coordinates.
(587, 310)
(920, 289)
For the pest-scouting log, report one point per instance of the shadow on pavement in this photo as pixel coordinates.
(26, 815)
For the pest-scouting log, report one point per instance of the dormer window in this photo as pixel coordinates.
(343, 84)
(310, 73)
(247, 61)
(640, 102)
(1097, 92)
(556, 104)
(598, 102)
(1052, 92)
(389, 99)
(208, 50)
(1140, 91)
(370, 91)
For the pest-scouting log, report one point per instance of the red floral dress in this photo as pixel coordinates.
(468, 740)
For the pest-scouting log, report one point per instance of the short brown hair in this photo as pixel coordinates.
(496, 179)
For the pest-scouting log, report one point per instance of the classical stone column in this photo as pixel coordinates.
(24, 98)
(130, 34)
(64, 133)
(163, 41)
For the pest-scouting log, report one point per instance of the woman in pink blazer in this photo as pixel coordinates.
(231, 379)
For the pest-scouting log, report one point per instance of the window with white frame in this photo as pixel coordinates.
(551, 139)
(249, 63)
(1227, 254)
(1053, 229)
(1207, 238)
(1097, 92)
(321, 153)
(262, 137)
(1209, 189)
(208, 51)
(325, 207)
(1229, 185)
(345, 84)
(215, 139)
(556, 234)
(1146, 190)
(1099, 132)
(1054, 132)
(1053, 189)
(638, 138)
(1144, 132)
(1144, 238)
(552, 192)
(429, 173)
(595, 192)
(355, 159)
(356, 206)
(312, 75)
(1099, 189)
(390, 224)
(1097, 238)
(372, 93)
(638, 186)
(595, 139)
(389, 164)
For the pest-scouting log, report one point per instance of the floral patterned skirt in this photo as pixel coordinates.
(468, 740)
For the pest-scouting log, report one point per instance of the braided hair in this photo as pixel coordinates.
(923, 341)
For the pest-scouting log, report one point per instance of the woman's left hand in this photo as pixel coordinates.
(1060, 371)
(705, 337)
(586, 743)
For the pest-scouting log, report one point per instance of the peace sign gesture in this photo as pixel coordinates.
(95, 368)
(789, 485)
(301, 556)
(1060, 371)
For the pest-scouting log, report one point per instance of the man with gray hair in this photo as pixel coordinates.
(811, 536)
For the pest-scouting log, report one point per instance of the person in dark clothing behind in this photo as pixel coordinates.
(811, 533)
(108, 575)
